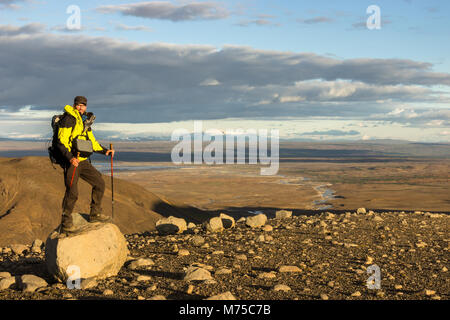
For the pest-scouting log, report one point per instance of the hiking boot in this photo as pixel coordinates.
(71, 229)
(99, 218)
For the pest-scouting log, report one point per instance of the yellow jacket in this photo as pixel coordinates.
(71, 127)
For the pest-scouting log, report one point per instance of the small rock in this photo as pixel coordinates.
(191, 225)
(88, 283)
(281, 287)
(30, 283)
(283, 214)
(183, 252)
(158, 297)
(227, 221)
(190, 289)
(378, 219)
(356, 294)
(444, 269)
(223, 271)
(289, 269)
(108, 292)
(4, 275)
(140, 263)
(429, 292)
(361, 210)
(323, 296)
(195, 273)
(143, 278)
(18, 248)
(214, 225)
(171, 225)
(398, 287)
(6, 282)
(267, 275)
(197, 240)
(241, 257)
(223, 296)
(256, 221)
(267, 228)
(218, 252)
(369, 260)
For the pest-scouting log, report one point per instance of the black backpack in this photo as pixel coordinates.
(54, 153)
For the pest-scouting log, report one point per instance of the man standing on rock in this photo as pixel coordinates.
(71, 128)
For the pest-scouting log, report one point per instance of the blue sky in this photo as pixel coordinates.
(167, 63)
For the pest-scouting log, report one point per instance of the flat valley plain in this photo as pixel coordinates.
(311, 176)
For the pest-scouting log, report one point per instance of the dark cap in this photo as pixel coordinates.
(80, 100)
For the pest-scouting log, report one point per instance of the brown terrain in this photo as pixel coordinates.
(404, 188)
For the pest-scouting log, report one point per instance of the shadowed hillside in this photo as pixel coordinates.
(31, 193)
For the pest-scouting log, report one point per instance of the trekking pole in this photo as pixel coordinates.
(112, 184)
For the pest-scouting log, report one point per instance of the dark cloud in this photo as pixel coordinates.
(132, 82)
(316, 20)
(168, 11)
(31, 28)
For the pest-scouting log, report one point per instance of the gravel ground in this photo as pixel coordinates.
(323, 256)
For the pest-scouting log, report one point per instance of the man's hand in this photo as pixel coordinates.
(112, 151)
(75, 162)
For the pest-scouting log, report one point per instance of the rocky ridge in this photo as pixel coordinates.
(324, 256)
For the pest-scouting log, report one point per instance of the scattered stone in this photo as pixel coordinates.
(241, 257)
(323, 296)
(30, 283)
(191, 225)
(88, 283)
(421, 244)
(283, 214)
(18, 248)
(378, 219)
(108, 292)
(369, 260)
(222, 296)
(361, 210)
(267, 275)
(223, 271)
(142, 262)
(195, 273)
(183, 252)
(227, 221)
(444, 269)
(267, 228)
(190, 289)
(217, 252)
(214, 225)
(429, 292)
(6, 282)
(289, 269)
(281, 287)
(356, 294)
(256, 221)
(171, 225)
(158, 297)
(198, 240)
(398, 287)
(143, 278)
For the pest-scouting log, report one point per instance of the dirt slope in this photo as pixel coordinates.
(31, 193)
